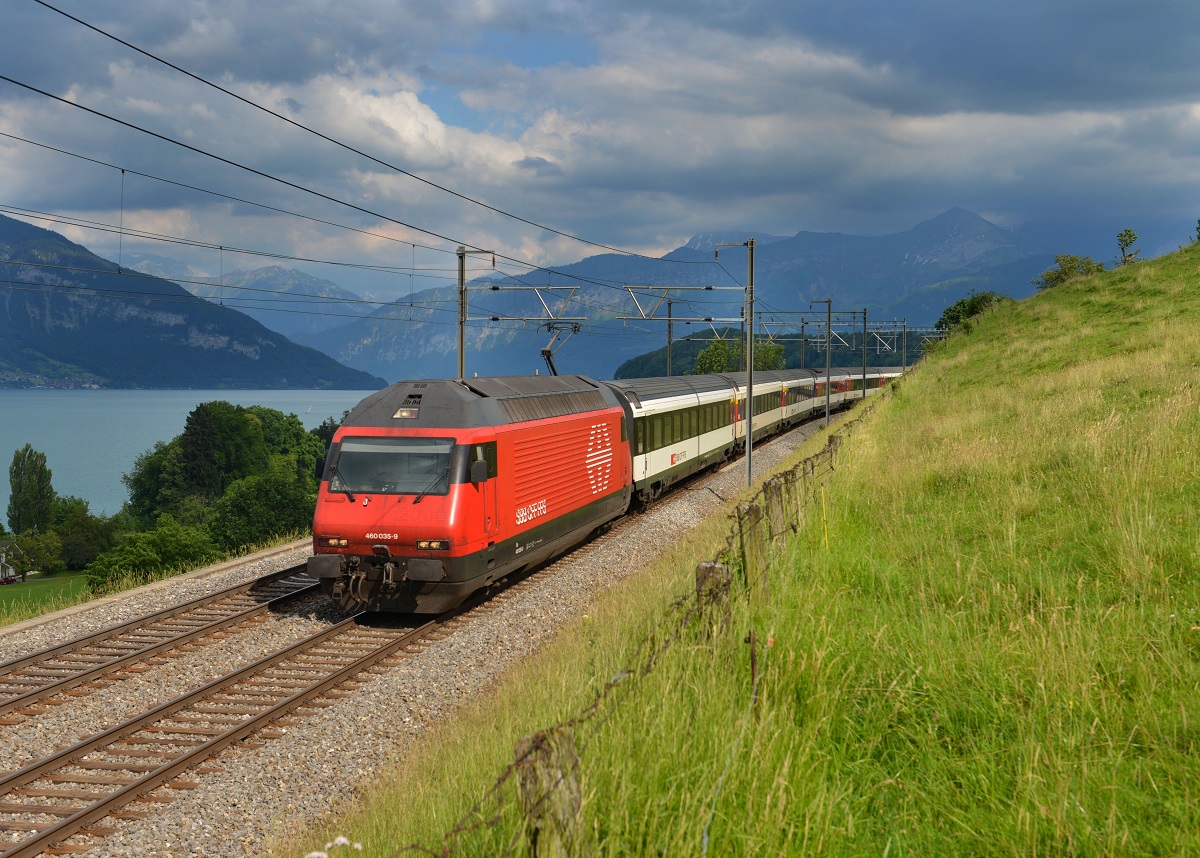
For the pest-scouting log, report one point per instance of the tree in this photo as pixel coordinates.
(35, 552)
(292, 449)
(324, 432)
(768, 356)
(1126, 240)
(966, 308)
(722, 356)
(221, 443)
(717, 356)
(84, 536)
(31, 502)
(1069, 267)
(146, 480)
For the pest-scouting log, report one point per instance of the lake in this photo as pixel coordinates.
(92, 437)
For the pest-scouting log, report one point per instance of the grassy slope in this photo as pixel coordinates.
(998, 654)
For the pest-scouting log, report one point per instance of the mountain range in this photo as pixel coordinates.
(58, 323)
(291, 302)
(69, 318)
(912, 275)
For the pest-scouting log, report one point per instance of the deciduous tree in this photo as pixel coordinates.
(31, 502)
(724, 356)
(717, 356)
(768, 356)
(35, 552)
(169, 547)
(84, 536)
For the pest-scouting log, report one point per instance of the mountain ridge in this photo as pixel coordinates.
(280, 299)
(914, 274)
(70, 318)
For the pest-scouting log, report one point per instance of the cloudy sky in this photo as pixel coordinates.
(629, 124)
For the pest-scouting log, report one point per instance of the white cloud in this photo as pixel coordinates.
(632, 125)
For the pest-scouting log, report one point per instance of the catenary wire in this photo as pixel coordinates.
(295, 186)
(346, 146)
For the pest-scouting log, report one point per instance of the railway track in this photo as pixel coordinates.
(66, 794)
(27, 680)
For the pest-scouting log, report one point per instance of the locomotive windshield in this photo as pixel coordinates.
(393, 466)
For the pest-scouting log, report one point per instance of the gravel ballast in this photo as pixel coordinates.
(315, 767)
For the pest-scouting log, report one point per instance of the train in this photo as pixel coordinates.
(433, 489)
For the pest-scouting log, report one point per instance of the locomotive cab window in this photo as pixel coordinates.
(484, 451)
(393, 466)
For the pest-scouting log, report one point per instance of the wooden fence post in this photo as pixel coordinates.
(550, 794)
(712, 593)
(794, 482)
(776, 511)
(753, 538)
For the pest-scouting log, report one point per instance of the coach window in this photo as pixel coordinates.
(657, 433)
(641, 435)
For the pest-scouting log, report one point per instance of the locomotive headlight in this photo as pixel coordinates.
(433, 544)
(334, 541)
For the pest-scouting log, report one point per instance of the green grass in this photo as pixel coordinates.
(998, 654)
(40, 595)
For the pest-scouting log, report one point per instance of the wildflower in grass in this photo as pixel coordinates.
(337, 841)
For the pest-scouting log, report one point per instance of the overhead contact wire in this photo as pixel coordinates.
(342, 145)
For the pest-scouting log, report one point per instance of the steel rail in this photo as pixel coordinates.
(124, 732)
(11, 670)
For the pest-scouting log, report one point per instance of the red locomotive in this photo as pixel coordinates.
(433, 489)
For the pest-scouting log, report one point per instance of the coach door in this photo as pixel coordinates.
(483, 474)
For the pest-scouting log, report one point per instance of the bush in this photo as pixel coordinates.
(258, 508)
(1069, 267)
(170, 547)
(957, 316)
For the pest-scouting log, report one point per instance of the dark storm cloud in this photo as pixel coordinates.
(1021, 56)
(626, 122)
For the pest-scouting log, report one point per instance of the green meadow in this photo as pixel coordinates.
(41, 595)
(996, 653)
